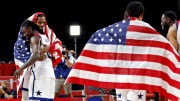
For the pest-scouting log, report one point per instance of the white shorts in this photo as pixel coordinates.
(23, 81)
(41, 89)
(130, 94)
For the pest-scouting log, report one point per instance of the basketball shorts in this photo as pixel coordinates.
(41, 89)
(23, 81)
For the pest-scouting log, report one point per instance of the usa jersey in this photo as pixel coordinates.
(42, 69)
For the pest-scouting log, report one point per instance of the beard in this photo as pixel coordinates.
(40, 30)
(165, 28)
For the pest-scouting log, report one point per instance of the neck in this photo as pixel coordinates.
(140, 18)
(135, 18)
(171, 23)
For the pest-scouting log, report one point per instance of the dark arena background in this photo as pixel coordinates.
(60, 14)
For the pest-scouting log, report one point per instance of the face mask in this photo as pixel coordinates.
(4, 88)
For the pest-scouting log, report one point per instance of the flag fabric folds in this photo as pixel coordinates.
(129, 55)
(55, 44)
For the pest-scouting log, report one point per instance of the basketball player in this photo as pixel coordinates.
(42, 78)
(22, 51)
(169, 22)
(134, 10)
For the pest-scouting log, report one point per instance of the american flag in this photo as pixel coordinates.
(129, 55)
(55, 43)
(22, 48)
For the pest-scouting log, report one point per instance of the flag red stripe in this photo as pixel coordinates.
(151, 43)
(142, 29)
(131, 57)
(148, 43)
(57, 60)
(58, 42)
(127, 71)
(113, 85)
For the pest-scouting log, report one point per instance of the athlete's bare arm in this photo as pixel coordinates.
(172, 36)
(44, 49)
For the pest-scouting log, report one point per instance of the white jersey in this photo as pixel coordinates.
(44, 68)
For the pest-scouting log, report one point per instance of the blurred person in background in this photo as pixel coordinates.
(6, 91)
(62, 71)
(71, 52)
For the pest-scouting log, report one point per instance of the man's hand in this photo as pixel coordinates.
(65, 56)
(1, 90)
(17, 73)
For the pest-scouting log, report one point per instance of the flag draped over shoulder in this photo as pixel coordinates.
(22, 46)
(129, 55)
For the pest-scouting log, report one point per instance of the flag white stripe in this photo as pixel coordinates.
(145, 36)
(140, 23)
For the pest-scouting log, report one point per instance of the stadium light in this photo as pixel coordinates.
(75, 31)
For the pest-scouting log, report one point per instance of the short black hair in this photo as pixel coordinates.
(135, 9)
(171, 14)
(40, 15)
(27, 24)
(64, 46)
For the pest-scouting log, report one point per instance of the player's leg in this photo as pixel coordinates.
(23, 82)
(25, 96)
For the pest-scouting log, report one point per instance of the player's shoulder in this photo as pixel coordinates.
(36, 36)
(173, 28)
(145, 24)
